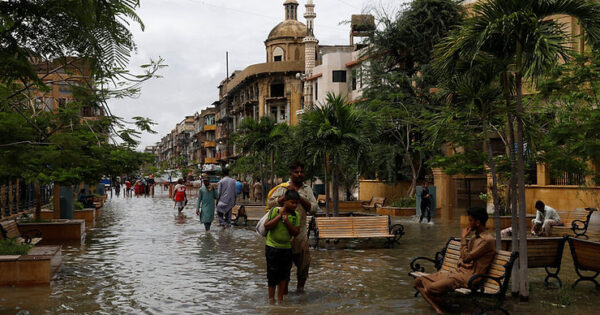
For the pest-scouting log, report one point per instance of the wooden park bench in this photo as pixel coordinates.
(10, 229)
(321, 200)
(242, 214)
(238, 213)
(586, 257)
(543, 252)
(373, 203)
(481, 287)
(575, 221)
(337, 228)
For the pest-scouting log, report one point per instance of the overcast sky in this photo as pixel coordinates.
(193, 36)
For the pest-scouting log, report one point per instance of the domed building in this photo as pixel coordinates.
(285, 40)
(269, 88)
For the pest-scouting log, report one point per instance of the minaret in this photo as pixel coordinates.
(310, 51)
(291, 9)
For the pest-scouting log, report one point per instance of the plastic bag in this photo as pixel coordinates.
(260, 226)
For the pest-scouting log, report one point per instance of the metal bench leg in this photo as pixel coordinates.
(552, 275)
(586, 278)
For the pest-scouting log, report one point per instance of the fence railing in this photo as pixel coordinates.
(18, 198)
(568, 179)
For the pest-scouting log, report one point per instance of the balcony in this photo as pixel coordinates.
(210, 144)
(210, 160)
(210, 127)
(223, 155)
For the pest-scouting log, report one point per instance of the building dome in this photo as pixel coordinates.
(288, 28)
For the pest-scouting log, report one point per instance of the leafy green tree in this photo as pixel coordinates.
(523, 37)
(571, 136)
(400, 84)
(88, 43)
(332, 131)
(265, 142)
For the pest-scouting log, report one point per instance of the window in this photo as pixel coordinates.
(354, 74)
(274, 111)
(277, 90)
(278, 54)
(62, 102)
(316, 91)
(339, 76)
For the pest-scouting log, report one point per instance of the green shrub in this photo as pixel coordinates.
(11, 247)
(77, 205)
(404, 202)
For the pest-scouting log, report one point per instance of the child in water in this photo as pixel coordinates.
(282, 223)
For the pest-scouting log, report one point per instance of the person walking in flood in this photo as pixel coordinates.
(425, 203)
(245, 190)
(282, 224)
(207, 195)
(180, 197)
(226, 199)
(306, 204)
(257, 190)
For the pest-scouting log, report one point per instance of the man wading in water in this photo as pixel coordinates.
(306, 204)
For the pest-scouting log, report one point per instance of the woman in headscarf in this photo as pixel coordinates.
(207, 196)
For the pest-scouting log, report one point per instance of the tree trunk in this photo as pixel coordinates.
(10, 197)
(327, 194)
(18, 195)
(38, 201)
(415, 175)
(524, 286)
(492, 165)
(513, 202)
(336, 191)
(2, 200)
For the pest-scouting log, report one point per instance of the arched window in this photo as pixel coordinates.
(278, 54)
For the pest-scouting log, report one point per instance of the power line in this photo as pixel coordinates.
(348, 4)
(256, 13)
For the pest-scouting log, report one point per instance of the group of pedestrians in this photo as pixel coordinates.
(143, 186)
(286, 242)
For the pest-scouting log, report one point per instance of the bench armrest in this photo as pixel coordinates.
(476, 283)
(397, 230)
(578, 225)
(415, 265)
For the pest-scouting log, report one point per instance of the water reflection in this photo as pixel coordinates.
(142, 258)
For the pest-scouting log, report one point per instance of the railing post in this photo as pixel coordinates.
(2, 200)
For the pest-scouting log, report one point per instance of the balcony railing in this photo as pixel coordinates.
(210, 127)
(210, 144)
(210, 160)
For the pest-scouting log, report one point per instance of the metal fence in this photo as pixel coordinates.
(23, 198)
(566, 178)
(467, 191)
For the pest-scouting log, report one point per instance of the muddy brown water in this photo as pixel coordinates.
(140, 258)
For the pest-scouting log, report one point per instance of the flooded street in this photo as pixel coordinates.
(139, 258)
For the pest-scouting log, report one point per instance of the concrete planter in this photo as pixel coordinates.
(35, 268)
(505, 221)
(86, 214)
(396, 211)
(58, 230)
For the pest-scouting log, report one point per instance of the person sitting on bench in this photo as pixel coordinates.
(86, 200)
(545, 218)
(477, 250)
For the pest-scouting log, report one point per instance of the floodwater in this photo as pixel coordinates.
(140, 258)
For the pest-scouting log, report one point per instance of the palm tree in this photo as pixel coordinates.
(472, 91)
(522, 35)
(333, 132)
(261, 139)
